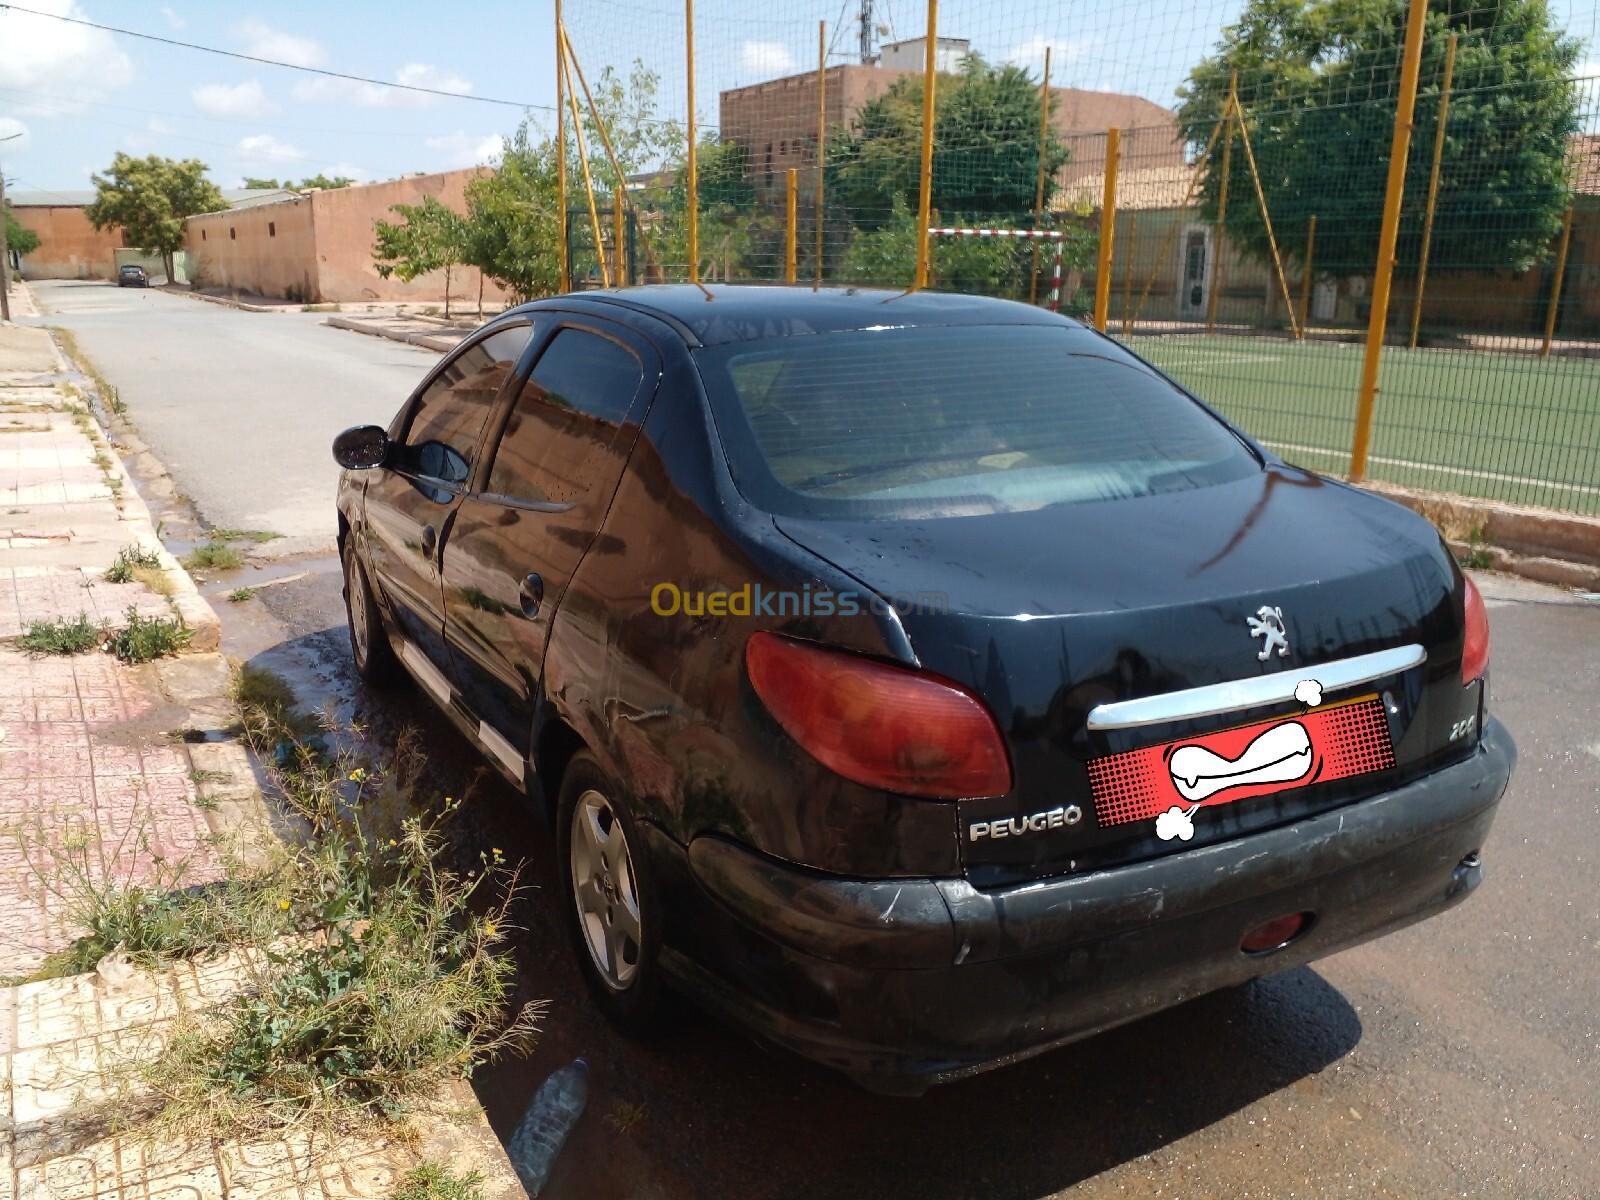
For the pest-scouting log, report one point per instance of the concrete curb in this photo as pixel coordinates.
(427, 341)
(225, 301)
(196, 614)
(1549, 547)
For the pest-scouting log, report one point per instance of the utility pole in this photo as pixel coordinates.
(5, 250)
(866, 33)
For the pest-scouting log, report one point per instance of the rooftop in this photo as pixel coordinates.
(82, 198)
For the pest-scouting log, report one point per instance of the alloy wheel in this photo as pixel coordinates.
(605, 890)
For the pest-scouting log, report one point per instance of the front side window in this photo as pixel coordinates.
(946, 421)
(564, 421)
(447, 420)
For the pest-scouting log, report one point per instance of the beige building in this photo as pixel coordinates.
(70, 247)
(317, 246)
(776, 121)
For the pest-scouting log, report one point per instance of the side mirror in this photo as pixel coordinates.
(361, 448)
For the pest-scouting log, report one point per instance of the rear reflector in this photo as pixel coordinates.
(1475, 642)
(880, 725)
(1276, 933)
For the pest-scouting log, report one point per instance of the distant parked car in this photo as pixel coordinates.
(923, 681)
(133, 275)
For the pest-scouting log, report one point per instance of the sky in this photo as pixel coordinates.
(77, 95)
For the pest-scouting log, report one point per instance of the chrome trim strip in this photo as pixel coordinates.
(1236, 694)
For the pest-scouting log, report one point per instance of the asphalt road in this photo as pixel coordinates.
(240, 407)
(1457, 1058)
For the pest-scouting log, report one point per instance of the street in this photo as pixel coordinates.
(241, 406)
(1455, 1058)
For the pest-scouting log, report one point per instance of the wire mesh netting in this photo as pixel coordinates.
(1250, 172)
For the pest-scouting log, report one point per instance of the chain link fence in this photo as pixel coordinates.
(1210, 181)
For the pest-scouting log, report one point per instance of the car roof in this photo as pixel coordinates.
(720, 313)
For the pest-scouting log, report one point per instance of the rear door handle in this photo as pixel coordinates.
(531, 594)
(430, 541)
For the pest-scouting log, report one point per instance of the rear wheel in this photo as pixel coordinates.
(369, 643)
(613, 916)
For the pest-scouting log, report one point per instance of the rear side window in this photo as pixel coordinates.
(564, 421)
(950, 421)
(448, 418)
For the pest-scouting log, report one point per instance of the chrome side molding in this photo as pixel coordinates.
(1237, 694)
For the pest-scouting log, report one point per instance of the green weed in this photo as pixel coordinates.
(431, 1181)
(129, 559)
(145, 639)
(258, 536)
(213, 556)
(240, 595)
(62, 636)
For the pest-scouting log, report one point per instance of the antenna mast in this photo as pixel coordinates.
(866, 33)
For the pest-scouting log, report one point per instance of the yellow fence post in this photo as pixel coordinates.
(1433, 188)
(925, 193)
(693, 164)
(1388, 234)
(822, 139)
(1555, 290)
(1306, 275)
(1108, 230)
(619, 238)
(1038, 184)
(564, 279)
(583, 162)
(1266, 217)
(1214, 290)
(789, 240)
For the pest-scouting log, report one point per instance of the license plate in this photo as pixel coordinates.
(1171, 782)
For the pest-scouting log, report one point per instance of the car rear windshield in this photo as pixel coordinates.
(953, 421)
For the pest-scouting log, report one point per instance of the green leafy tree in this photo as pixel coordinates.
(1319, 82)
(985, 147)
(512, 225)
(320, 180)
(887, 256)
(148, 198)
(429, 237)
(251, 181)
(18, 239)
(734, 230)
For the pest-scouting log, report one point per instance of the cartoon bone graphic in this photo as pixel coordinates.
(1281, 754)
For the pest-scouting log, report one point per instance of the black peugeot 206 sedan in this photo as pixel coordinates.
(922, 681)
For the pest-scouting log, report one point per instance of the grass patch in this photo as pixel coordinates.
(213, 556)
(258, 536)
(145, 639)
(68, 342)
(240, 595)
(432, 1181)
(62, 636)
(157, 580)
(130, 559)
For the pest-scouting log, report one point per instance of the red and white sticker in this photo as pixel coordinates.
(1172, 781)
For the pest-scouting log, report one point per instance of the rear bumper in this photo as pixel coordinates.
(904, 983)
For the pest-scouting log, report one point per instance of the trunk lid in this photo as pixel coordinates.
(1051, 613)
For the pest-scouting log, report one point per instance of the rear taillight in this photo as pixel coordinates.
(1475, 645)
(884, 726)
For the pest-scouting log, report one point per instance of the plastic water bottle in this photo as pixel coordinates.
(543, 1130)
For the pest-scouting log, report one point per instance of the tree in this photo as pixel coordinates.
(319, 180)
(264, 184)
(432, 237)
(19, 240)
(149, 199)
(985, 147)
(1319, 82)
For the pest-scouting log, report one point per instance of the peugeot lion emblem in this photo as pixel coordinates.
(1267, 625)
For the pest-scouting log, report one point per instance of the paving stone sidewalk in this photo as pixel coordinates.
(123, 771)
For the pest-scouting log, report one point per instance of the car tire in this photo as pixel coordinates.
(369, 641)
(613, 913)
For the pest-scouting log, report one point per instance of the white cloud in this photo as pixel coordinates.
(767, 58)
(174, 21)
(10, 127)
(375, 95)
(263, 41)
(57, 58)
(246, 99)
(264, 148)
(461, 149)
(1063, 51)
